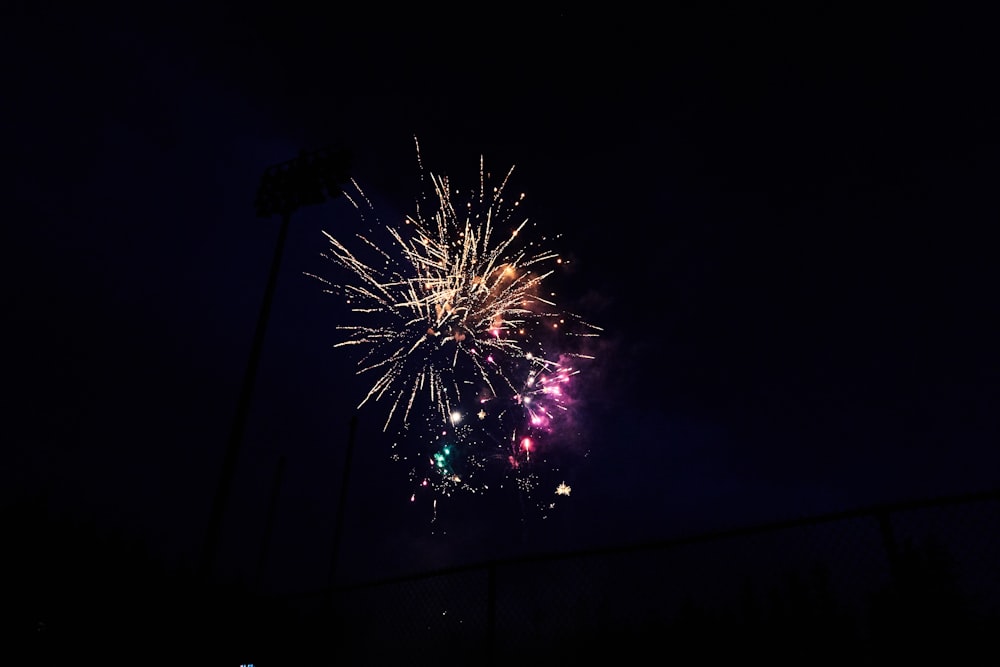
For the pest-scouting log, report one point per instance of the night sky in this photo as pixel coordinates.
(783, 221)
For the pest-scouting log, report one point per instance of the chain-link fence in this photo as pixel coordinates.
(917, 579)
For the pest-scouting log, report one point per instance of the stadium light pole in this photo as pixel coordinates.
(310, 178)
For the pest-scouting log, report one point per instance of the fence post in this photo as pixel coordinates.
(491, 614)
(889, 543)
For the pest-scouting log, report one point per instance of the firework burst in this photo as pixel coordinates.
(455, 332)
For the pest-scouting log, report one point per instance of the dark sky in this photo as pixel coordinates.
(784, 222)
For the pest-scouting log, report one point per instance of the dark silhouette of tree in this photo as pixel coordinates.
(923, 613)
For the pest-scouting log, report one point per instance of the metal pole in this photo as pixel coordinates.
(338, 527)
(265, 543)
(310, 178)
(242, 410)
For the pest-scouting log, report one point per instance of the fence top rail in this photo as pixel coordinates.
(877, 510)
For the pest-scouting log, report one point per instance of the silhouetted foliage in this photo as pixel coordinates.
(923, 614)
(71, 593)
